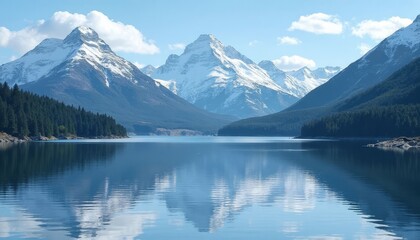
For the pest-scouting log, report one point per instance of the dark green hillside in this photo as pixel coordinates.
(279, 124)
(387, 121)
(26, 114)
(403, 87)
(389, 109)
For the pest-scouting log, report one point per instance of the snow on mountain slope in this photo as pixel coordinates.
(408, 36)
(81, 44)
(298, 83)
(326, 72)
(219, 79)
(97, 53)
(36, 63)
(82, 70)
(394, 47)
(169, 84)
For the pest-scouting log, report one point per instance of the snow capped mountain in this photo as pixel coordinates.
(400, 46)
(320, 74)
(82, 70)
(406, 37)
(219, 79)
(378, 64)
(148, 70)
(35, 63)
(169, 84)
(298, 83)
(97, 53)
(309, 80)
(326, 72)
(81, 44)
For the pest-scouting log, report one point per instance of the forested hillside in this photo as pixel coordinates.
(389, 109)
(26, 114)
(387, 121)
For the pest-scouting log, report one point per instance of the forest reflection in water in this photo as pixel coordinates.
(209, 189)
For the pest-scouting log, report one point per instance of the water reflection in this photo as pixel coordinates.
(383, 185)
(152, 190)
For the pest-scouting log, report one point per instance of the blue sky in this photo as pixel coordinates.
(294, 33)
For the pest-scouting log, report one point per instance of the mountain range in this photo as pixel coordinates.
(219, 79)
(82, 70)
(300, 82)
(377, 65)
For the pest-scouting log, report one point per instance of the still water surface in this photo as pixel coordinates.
(208, 188)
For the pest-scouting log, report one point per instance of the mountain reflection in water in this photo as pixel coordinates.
(208, 189)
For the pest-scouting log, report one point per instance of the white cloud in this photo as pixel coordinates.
(22, 40)
(4, 36)
(378, 30)
(286, 40)
(295, 62)
(121, 37)
(176, 46)
(253, 43)
(318, 23)
(364, 48)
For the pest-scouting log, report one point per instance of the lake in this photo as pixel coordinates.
(208, 188)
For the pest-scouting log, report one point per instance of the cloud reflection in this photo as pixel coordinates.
(149, 188)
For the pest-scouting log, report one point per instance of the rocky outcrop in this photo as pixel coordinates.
(6, 138)
(401, 143)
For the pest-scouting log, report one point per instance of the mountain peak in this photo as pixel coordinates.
(82, 33)
(148, 70)
(417, 20)
(207, 37)
(408, 36)
(204, 43)
(85, 30)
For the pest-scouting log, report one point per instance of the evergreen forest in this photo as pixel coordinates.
(25, 114)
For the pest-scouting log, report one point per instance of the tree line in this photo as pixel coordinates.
(27, 114)
(380, 121)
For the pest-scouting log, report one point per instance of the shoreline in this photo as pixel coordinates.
(7, 138)
(399, 143)
(347, 138)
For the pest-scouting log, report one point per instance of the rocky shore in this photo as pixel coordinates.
(401, 143)
(6, 138)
